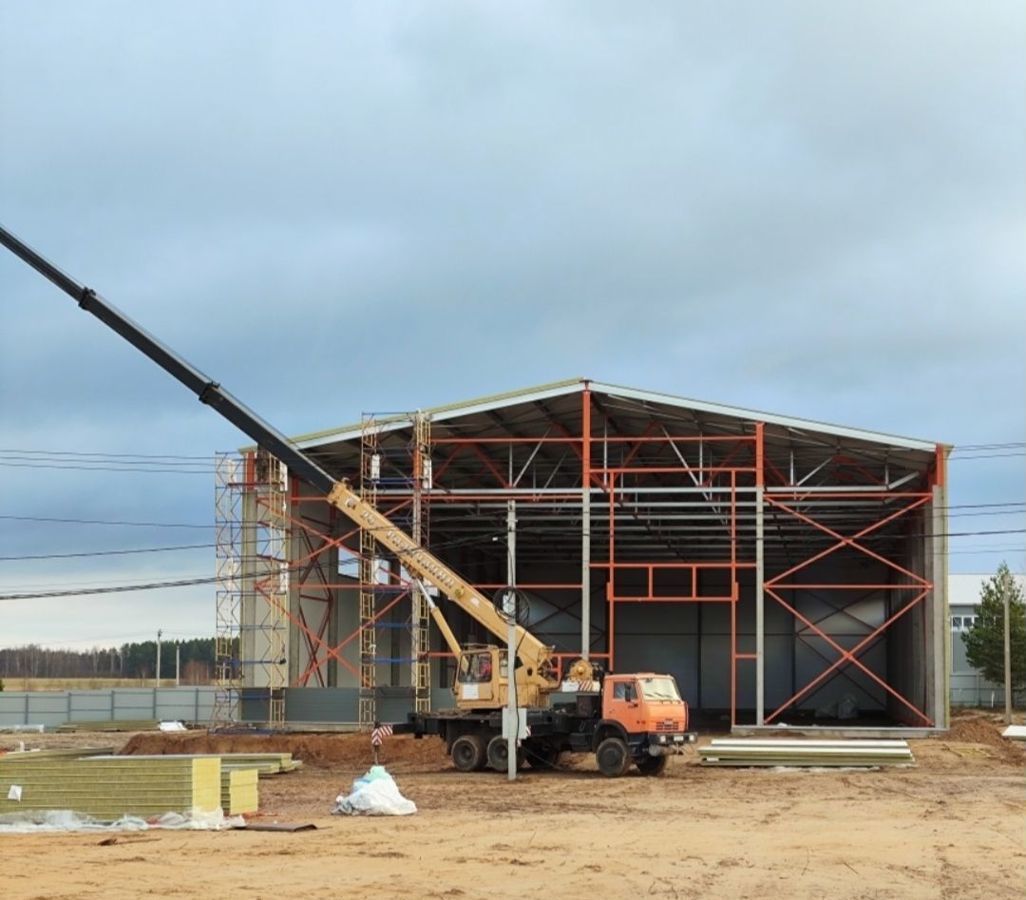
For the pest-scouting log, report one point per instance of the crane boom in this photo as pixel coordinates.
(535, 656)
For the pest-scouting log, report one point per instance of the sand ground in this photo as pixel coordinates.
(951, 827)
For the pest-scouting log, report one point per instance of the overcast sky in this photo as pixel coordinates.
(817, 209)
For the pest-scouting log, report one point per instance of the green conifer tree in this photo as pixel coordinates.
(985, 641)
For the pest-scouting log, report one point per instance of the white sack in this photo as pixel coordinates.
(374, 794)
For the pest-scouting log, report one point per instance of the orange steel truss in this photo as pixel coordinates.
(730, 474)
(918, 589)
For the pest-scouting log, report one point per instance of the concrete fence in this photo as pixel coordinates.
(53, 708)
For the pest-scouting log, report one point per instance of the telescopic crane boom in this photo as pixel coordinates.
(536, 675)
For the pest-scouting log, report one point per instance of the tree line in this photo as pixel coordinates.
(132, 660)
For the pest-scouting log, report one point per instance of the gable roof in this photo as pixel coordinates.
(439, 414)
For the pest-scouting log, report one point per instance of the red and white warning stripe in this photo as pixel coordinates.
(379, 734)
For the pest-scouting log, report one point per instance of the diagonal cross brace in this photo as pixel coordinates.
(849, 656)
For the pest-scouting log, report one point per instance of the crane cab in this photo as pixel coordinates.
(482, 680)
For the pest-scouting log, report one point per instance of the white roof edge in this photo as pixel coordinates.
(560, 389)
(770, 418)
(484, 405)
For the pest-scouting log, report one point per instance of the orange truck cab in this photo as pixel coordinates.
(644, 720)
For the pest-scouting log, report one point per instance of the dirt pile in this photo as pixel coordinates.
(974, 727)
(324, 750)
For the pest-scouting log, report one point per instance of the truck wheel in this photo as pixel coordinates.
(613, 757)
(468, 752)
(652, 765)
(498, 754)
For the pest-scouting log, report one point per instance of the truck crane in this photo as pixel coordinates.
(637, 718)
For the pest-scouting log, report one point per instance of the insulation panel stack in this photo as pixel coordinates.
(265, 763)
(108, 787)
(806, 753)
(239, 792)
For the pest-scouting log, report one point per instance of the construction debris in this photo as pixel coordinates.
(109, 725)
(374, 794)
(1015, 732)
(287, 827)
(805, 753)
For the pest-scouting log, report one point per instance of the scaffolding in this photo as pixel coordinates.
(228, 552)
(420, 616)
(382, 581)
(370, 476)
(268, 482)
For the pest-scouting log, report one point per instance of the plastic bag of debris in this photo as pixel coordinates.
(374, 794)
(67, 820)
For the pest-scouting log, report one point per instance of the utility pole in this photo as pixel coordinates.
(159, 633)
(512, 721)
(1008, 653)
(178, 663)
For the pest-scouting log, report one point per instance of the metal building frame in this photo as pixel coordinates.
(660, 506)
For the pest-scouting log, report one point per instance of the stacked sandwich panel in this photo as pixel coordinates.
(265, 763)
(239, 792)
(108, 787)
(811, 753)
(55, 753)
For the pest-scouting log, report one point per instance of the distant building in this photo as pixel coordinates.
(969, 687)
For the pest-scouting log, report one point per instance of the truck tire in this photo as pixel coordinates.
(613, 757)
(468, 753)
(652, 765)
(498, 754)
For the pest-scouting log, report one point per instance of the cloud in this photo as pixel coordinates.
(334, 208)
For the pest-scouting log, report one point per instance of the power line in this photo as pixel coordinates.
(205, 457)
(150, 586)
(104, 468)
(105, 522)
(125, 552)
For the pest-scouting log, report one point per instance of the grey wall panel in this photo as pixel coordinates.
(715, 672)
(321, 704)
(54, 708)
(674, 654)
(779, 682)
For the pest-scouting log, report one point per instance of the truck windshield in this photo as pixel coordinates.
(659, 689)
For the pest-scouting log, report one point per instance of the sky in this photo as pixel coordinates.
(335, 208)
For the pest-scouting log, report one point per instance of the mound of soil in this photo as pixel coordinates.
(314, 749)
(972, 727)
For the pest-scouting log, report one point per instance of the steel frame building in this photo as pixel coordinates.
(786, 571)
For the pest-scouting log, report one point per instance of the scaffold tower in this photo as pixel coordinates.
(228, 551)
(370, 475)
(420, 617)
(271, 583)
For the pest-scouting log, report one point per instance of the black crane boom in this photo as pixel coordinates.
(205, 388)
